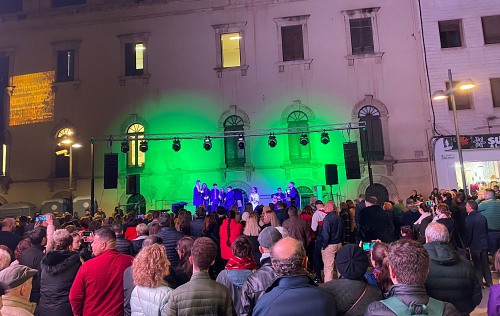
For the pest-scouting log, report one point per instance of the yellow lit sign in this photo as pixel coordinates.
(33, 99)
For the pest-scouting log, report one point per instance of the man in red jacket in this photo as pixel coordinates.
(98, 286)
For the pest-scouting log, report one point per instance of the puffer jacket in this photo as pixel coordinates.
(347, 292)
(233, 280)
(200, 296)
(124, 246)
(197, 227)
(16, 306)
(255, 286)
(147, 301)
(170, 238)
(452, 279)
(59, 269)
(407, 294)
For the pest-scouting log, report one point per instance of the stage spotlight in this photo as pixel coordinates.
(241, 141)
(143, 146)
(125, 147)
(176, 146)
(272, 140)
(325, 139)
(304, 140)
(207, 144)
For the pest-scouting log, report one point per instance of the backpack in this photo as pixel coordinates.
(433, 307)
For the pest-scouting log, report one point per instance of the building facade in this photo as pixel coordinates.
(465, 37)
(122, 72)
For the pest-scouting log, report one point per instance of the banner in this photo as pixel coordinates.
(473, 142)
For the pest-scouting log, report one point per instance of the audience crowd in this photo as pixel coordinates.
(423, 255)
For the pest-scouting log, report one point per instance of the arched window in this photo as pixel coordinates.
(234, 156)
(305, 195)
(298, 153)
(62, 153)
(135, 157)
(372, 140)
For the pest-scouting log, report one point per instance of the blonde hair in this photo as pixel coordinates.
(251, 226)
(150, 266)
(273, 219)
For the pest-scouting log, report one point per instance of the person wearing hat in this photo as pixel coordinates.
(352, 293)
(18, 279)
(256, 284)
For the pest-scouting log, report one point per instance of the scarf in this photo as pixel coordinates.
(236, 263)
(419, 220)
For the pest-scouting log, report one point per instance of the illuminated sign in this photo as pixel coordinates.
(33, 99)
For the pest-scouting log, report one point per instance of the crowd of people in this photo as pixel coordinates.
(423, 255)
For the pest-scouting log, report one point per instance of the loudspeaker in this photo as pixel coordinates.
(331, 174)
(351, 159)
(133, 184)
(110, 171)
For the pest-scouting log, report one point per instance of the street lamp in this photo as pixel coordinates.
(68, 140)
(441, 95)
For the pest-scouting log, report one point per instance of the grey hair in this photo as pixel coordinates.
(141, 229)
(62, 239)
(291, 265)
(4, 259)
(437, 232)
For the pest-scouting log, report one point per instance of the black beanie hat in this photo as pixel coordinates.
(351, 261)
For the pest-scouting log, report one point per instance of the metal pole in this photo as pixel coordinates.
(71, 178)
(457, 131)
(92, 179)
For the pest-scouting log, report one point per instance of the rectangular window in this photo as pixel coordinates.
(462, 98)
(450, 33)
(292, 42)
(11, 6)
(230, 47)
(64, 3)
(495, 91)
(65, 65)
(134, 59)
(4, 160)
(491, 29)
(361, 36)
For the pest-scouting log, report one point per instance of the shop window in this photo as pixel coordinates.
(463, 99)
(234, 155)
(450, 33)
(135, 157)
(491, 29)
(495, 91)
(299, 122)
(371, 137)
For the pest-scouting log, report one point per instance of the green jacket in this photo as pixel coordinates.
(200, 296)
(490, 208)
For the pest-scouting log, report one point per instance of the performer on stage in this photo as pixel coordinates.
(229, 198)
(222, 197)
(197, 194)
(205, 194)
(293, 195)
(280, 196)
(214, 198)
(254, 198)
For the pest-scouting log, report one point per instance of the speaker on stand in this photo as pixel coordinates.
(332, 177)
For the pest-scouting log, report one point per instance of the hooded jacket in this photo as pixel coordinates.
(59, 269)
(451, 278)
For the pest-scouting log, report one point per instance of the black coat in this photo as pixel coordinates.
(170, 238)
(347, 292)
(59, 269)
(452, 279)
(32, 257)
(124, 246)
(375, 223)
(197, 227)
(476, 232)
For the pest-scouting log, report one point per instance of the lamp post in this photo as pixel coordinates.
(441, 95)
(70, 142)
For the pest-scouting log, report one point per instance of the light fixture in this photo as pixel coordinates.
(234, 38)
(143, 146)
(140, 46)
(66, 140)
(62, 152)
(207, 143)
(439, 95)
(125, 147)
(241, 141)
(303, 139)
(176, 145)
(77, 145)
(325, 139)
(466, 84)
(272, 140)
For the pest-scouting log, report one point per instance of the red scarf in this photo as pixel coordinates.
(236, 263)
